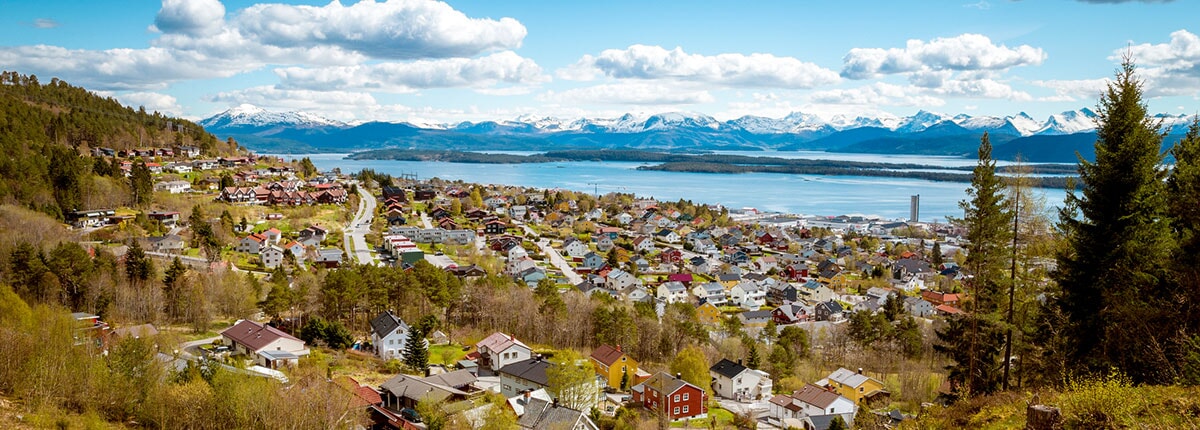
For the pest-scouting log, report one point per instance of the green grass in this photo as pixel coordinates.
(722, 416)
(452, 351)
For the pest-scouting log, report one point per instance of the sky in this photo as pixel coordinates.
(426, 61)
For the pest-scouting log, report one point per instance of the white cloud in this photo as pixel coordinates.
(980, 88)
(340, 105)
(394, 29)
(879, 94)
(192, 17)
(731, 70)
(45, 23)
(960, 53)
(634, 93)
(1073, 89)
(1170, 69)
(116, 69)
(152, 101)
(502, 67)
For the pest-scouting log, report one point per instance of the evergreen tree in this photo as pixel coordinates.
(173, 293)
(1183, 187)
(141, 184)
(416, 352)
(753, 361)
(967, 340)
(936, 259)
(1114, 273)
(138, 266)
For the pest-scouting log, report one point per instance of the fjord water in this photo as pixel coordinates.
(799, 194)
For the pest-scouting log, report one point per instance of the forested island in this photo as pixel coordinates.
(728, 163)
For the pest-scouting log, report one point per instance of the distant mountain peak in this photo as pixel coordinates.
(251, 116)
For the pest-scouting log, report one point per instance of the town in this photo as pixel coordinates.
(743, 298)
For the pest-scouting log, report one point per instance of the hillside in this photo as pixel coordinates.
(48, 131)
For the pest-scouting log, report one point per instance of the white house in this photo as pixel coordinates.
(624, 219)
(735, 381)
(643, 244)
(499, 350)
(619, 280)
(672, 292)
(250, 338)
(669, 236)
(272, 256)
(173, 187)
(388, 335)
(710, 292)
(811, 403)
(252, 244)
(748, 295)
(575, 247)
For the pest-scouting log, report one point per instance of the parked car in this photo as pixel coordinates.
(410, 414)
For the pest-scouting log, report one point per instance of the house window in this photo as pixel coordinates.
(860, 389)
(685, 409)
(685, 397)
(676, 411)
(676, 397)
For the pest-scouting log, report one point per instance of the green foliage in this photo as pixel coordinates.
(1115, 274)
(693, 368)
(317, 331)
(141, 185)
(572, 381)
(416, 352)
(975, 345)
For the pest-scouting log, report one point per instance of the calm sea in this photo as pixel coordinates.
(799, 194)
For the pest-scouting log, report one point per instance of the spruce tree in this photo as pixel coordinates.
(416, 353)
(1113, 273)
(141, 184)
(970, 340)
(1183, 189)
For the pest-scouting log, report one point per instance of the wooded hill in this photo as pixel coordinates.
(47, 132)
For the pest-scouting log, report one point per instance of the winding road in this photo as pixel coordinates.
(355, 241)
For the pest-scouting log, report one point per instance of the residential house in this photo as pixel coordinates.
(170, 244)
(855, 386)
(811, 403)
(729, 280)
(814, 291)
(937, 298)
(875, 298)
(670, 256)
(328, 257)
(749, 295)
(251, 338)
(767, 263)
(388, 336)
(499, 350)
(624, 218)
(166, 218)
(643, 244)
(616, 368)
(604, 243)
(672, 397)
(708, 313)
(755, 318)
(273, 234)
(783, 293)
(405, 391)
(710, 292)
(829, 311)
(575, 248)
(592, 261)
(668, 236)
(312, 236)
(672, 292)
(540, 414)
(495, 227)
(918, 307)
(294, 248)
(524, 376)
(272, 256)
(734, 381)
(173, 187)
(252, 244)
(791, 313)
(619, 280)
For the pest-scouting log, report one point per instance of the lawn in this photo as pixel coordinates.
(438, 354)
(722, 416)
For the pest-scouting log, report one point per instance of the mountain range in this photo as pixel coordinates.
(1054, 140)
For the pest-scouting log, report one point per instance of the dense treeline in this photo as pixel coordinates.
(47, 130)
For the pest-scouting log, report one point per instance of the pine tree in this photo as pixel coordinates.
(141, 184)
(416, 353)
(173, 293)
(970, 339)
(753, 360)
(1114, 272)
(1183, 187)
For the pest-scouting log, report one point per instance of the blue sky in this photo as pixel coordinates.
(428, 61)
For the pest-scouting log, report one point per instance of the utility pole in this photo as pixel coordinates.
(1012, 286)
(596, 188)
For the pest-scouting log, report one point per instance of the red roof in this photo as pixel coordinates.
(255, 336)
(607, 355)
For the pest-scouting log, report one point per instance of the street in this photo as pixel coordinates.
(555, 259)
(355, 241)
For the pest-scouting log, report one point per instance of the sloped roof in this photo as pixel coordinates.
(386, 323)
(848, 377)
(816, 396)
(412, 387)
(137, 331)
(663, 383)
(542, 415)
(533, 369)
(727, 368)
(607, 355)
(458, 378)
(254, 335)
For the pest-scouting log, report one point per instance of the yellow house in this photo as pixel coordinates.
(708, 313)
(854, 385)
(613, 364)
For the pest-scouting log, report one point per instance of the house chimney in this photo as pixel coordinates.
(860, 371)
(739, 362)
(618, 347)
(555, 402)
(678, 375)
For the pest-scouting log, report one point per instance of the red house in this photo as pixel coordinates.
(670, 256)
(671, 396)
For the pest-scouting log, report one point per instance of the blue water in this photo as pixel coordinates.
(799, 194)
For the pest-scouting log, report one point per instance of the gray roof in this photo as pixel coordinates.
(727, 368)
(533, 370)
(541, 415)
(412, 387)
(457, 379)
(386, 323)
(847, 377)
(674, 286)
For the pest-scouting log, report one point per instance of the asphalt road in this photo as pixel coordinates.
(356, 241)
(555, 258)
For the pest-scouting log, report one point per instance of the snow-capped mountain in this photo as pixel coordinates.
(250, 116)
(921, 121)
(1070, 122)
